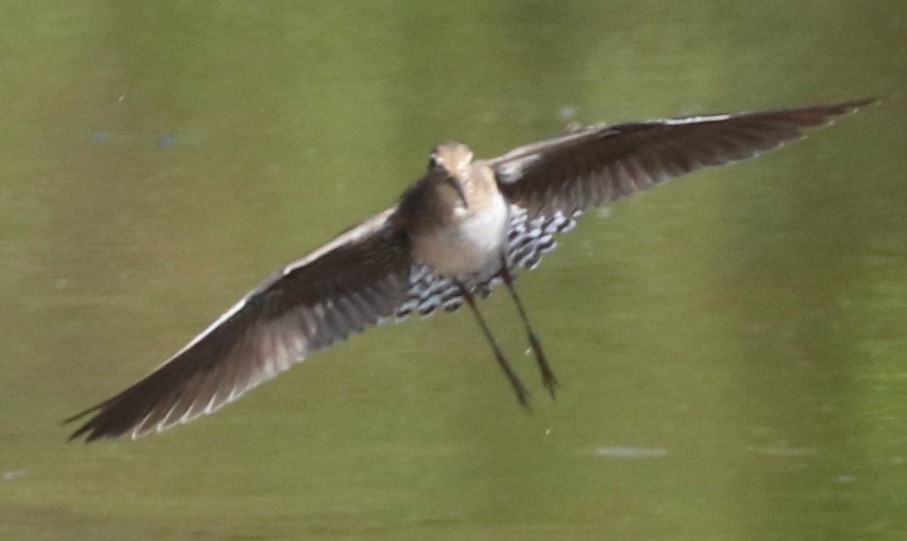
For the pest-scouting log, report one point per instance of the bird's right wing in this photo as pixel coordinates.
(351, 283)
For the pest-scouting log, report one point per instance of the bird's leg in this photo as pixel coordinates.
(521, 393)
(548, 377)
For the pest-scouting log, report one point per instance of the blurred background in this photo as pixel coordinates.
(731, 347)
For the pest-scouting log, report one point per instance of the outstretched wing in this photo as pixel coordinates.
(551, 182)
(591, 165)
(351, 283)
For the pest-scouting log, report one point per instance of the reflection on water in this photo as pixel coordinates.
(730, 346)
(630, 452)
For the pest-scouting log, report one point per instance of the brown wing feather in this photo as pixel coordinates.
(349, 284)
(600, 163)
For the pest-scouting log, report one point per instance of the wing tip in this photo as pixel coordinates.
(822, 115)
(101, 425)
(86, 427)
(92, 429)
(852, 106)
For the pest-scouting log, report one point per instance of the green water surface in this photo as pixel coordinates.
(732, 347)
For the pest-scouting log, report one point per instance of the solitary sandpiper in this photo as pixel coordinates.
(464, 227)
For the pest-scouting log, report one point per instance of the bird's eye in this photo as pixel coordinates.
(432, 161)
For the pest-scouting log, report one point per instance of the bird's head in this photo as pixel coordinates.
(454, 160)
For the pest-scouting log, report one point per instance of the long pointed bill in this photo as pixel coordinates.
(459, 189)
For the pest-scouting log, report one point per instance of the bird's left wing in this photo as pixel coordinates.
(567, 173)
(549, 183)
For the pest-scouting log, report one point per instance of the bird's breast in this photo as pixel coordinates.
(469, 242)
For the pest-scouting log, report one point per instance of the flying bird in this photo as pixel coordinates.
(464, 227)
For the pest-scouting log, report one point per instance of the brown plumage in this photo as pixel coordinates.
(447, 239)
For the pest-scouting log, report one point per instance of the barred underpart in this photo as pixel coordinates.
(528, 239)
